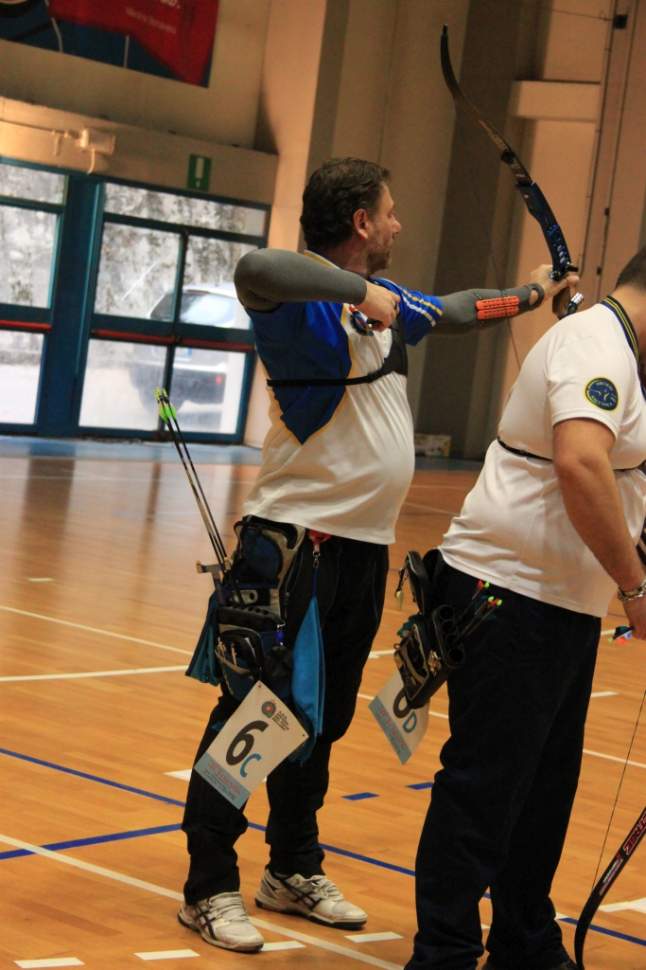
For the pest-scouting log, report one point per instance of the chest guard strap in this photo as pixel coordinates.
(396, 362)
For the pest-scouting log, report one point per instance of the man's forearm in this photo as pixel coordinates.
(267, 277)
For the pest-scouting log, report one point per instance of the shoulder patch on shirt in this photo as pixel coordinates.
(602, 392)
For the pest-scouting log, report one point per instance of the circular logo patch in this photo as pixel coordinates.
(268, 708)
(602, 393)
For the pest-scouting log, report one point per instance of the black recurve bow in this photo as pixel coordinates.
(617, 863)
(537, 204)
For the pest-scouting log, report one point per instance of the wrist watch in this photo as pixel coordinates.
(632, 594)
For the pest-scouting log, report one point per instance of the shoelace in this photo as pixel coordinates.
(230, 909)
(326, 887)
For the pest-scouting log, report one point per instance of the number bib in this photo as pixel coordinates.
(262, 733)
(403, 726)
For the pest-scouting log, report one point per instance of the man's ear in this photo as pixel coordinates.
(360, 222)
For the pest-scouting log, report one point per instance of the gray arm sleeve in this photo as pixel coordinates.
(267, 277)
(460, 308)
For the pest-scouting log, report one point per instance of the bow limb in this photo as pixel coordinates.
(536, 203)
(617, 863)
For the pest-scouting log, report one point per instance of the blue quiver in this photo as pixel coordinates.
(240, 645)
(203, 665)
(308, 680)
(242, 639)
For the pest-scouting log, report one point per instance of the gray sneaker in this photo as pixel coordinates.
(223, 921)
(316, 898)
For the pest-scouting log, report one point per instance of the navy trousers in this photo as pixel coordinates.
(501, 802)
(351, 585)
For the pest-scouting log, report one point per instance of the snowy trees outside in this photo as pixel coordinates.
(139, 265)
(27, 236)
(138, 276)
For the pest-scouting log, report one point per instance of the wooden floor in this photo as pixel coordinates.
(100, 606)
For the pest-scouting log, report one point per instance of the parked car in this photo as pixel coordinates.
(215, 306)
(199, 376)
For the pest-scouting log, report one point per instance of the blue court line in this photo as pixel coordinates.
(92, 840)
(333, 849)
(606, 932)
(88, 777)
(358, 796)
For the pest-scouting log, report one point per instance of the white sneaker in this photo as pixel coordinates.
(223, 921)
(317, 898)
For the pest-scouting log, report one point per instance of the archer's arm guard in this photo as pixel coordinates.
(471, 309)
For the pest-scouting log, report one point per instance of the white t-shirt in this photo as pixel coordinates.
(513, 529)
(351, 476)
(339, 460)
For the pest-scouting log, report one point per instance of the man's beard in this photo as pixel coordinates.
(378, 260)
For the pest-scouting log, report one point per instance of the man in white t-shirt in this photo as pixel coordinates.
(552, 523)
(338, 459)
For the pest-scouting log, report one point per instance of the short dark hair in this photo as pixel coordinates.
(333, 194)
(634, 272)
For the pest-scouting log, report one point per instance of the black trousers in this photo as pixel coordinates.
(350, 587)
(501, 802)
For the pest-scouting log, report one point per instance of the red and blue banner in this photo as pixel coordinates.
(171, 38)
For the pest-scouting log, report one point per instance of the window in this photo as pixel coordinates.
(166, 277)
(30, 206)
(120, 382)
(20, 355)
(184, 210)
(21, 182)
(108, 291)
(137, 267)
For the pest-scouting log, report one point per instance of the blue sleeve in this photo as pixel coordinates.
(418, 312)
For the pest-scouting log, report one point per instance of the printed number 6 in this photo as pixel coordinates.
(401, 707)
(245, 738)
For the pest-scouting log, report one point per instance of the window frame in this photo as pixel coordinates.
(22, 318)
(62, 417)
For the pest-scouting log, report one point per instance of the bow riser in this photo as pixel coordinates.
(538, 206)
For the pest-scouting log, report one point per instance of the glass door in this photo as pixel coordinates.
(109, 291)
(31, 206)
(165, 312)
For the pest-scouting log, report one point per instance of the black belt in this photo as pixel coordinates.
(530, 454)
(519, 451)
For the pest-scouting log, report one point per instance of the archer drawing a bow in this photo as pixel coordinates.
(537, 204)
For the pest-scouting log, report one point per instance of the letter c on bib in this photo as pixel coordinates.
(243, 767)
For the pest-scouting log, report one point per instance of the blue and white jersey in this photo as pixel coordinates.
(337, 459)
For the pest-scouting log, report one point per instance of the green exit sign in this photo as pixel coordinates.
(199, 172)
